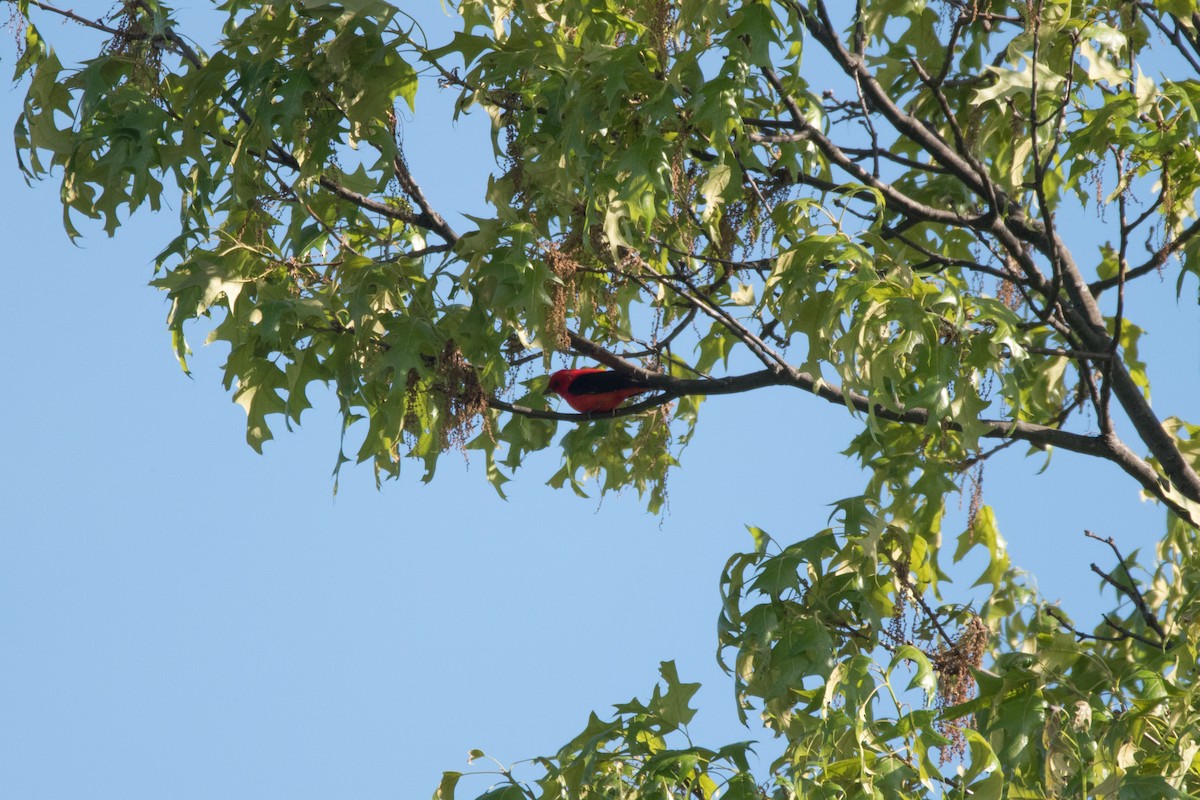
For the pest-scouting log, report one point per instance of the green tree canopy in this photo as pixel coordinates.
(877, 204)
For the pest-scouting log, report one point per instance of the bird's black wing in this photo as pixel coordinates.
(601, 382)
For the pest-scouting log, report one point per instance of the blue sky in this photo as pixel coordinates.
(184, 618)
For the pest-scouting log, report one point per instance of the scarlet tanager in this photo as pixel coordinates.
(594, 390)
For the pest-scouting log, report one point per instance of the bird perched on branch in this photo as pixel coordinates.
(594, 390)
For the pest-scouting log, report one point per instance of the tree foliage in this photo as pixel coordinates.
(877, 204)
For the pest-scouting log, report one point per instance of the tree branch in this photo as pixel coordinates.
(893, 197)
(1156, 260)
(428, 218)
(973, 176)
(1131, 590)
(1109, 448)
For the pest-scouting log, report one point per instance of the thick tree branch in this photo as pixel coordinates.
(429, 217)
(1089, 325)
(536, 413)
(1109, 448)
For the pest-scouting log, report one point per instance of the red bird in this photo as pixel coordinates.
(594, 390)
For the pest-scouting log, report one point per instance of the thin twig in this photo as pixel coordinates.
(1132, 591)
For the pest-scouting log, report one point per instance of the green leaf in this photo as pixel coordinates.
(983, 532)
(761, 539)
(924, 677)
(1010, 83)
(445, 790)
(673, 707)
(508, 791)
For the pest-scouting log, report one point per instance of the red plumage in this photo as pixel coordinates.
(593, 390)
